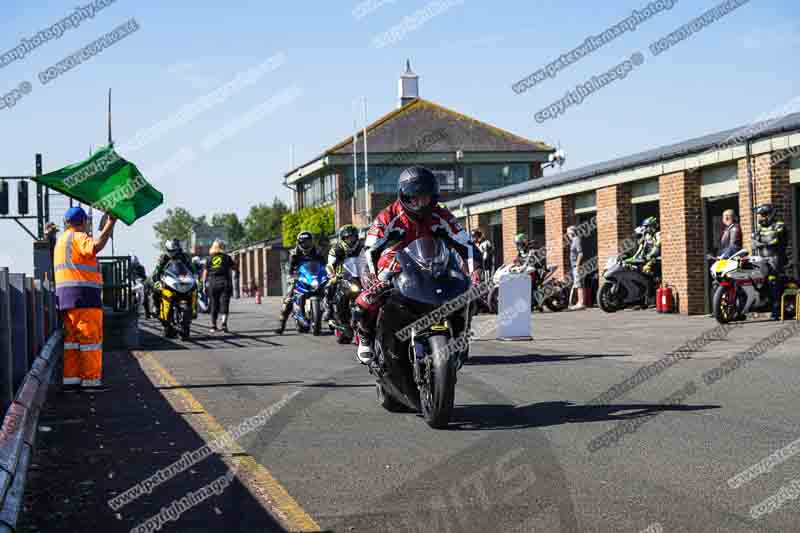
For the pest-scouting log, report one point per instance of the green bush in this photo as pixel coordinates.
(317, 220)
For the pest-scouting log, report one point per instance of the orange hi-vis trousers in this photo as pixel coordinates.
(83, 346)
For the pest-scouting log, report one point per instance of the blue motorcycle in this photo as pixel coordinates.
(309, 293)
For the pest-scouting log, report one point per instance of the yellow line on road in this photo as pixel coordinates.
(259, 481)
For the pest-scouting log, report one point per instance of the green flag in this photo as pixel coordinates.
(106, 182)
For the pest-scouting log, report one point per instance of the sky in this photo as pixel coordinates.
(304, 64)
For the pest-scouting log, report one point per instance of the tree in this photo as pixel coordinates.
(235, 229)
(263, 222)
(178, 224)
(317, 220)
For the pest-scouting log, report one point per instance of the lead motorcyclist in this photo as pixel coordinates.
(415, 214)
(304, 251)
(348, 246)
(769, 241)
(172, 252)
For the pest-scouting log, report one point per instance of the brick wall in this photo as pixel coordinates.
(682, 249)
(614, 221)
(771, 186)
(558, 216)
(515, 220)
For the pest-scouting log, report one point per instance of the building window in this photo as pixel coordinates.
(319, 190)
(479, 178)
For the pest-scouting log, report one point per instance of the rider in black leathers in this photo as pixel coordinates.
(303, 252)
(769, 241)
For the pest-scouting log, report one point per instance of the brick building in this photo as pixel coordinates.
(260, 265)
(686, 185)
(468, 155)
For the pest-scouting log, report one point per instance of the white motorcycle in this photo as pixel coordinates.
(743, 287)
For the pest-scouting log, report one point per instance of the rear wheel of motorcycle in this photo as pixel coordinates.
(438, 398)
(607, 299)
(386, 401)
(723, 309)
(316, 316)
(558, 302)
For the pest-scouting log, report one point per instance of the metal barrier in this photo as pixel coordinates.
(31, 349)
(117, 283)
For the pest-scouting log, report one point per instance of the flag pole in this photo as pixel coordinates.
(110, 141)
(110, 144)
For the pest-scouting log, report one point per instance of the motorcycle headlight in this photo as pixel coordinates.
(354, 288)
(314, 284)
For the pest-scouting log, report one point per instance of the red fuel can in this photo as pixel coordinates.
(667, 300)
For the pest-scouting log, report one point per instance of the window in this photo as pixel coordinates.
(479, 178)
(319, 190)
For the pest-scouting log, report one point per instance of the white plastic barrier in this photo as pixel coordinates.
(514, 308)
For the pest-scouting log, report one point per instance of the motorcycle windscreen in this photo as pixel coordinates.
(352, 265)
(177, 269)
(311, 268)
(428, 273)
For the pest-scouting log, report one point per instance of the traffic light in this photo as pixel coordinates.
(22, 197)
(3, 197)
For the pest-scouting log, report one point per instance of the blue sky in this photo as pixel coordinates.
(468, 57)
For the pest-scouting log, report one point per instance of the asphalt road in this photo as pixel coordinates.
(517, 455)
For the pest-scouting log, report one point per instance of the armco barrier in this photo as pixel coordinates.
(31, 349)
(18, 431)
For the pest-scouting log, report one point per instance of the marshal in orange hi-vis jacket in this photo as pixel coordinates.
(79, 286)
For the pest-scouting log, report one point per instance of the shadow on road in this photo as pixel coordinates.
(151, 338)
(101, 444)
(534, 358)
(493, 417)
(225, 385)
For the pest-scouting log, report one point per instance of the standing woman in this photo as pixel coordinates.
(218, 279)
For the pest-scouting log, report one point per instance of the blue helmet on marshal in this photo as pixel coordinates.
(75, 216)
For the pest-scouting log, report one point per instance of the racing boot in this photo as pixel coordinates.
(225, 323)
(364, 353)
(285, 312)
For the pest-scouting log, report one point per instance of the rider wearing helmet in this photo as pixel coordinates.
(415, 214)
(769, 241)
(348, 246)
(649, 250)
(523, 248)
(172, 252)
(304, 251)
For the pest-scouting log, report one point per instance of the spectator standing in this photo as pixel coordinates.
(576, 259)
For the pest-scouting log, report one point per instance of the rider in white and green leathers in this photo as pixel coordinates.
(649, 250)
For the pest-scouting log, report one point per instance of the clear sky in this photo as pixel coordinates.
(468, 56)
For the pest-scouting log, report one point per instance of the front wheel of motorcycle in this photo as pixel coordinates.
(316, 316)
(723, 309)
(438, 394)
(606, 298)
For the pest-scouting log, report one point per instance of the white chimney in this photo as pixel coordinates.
(408, 86)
